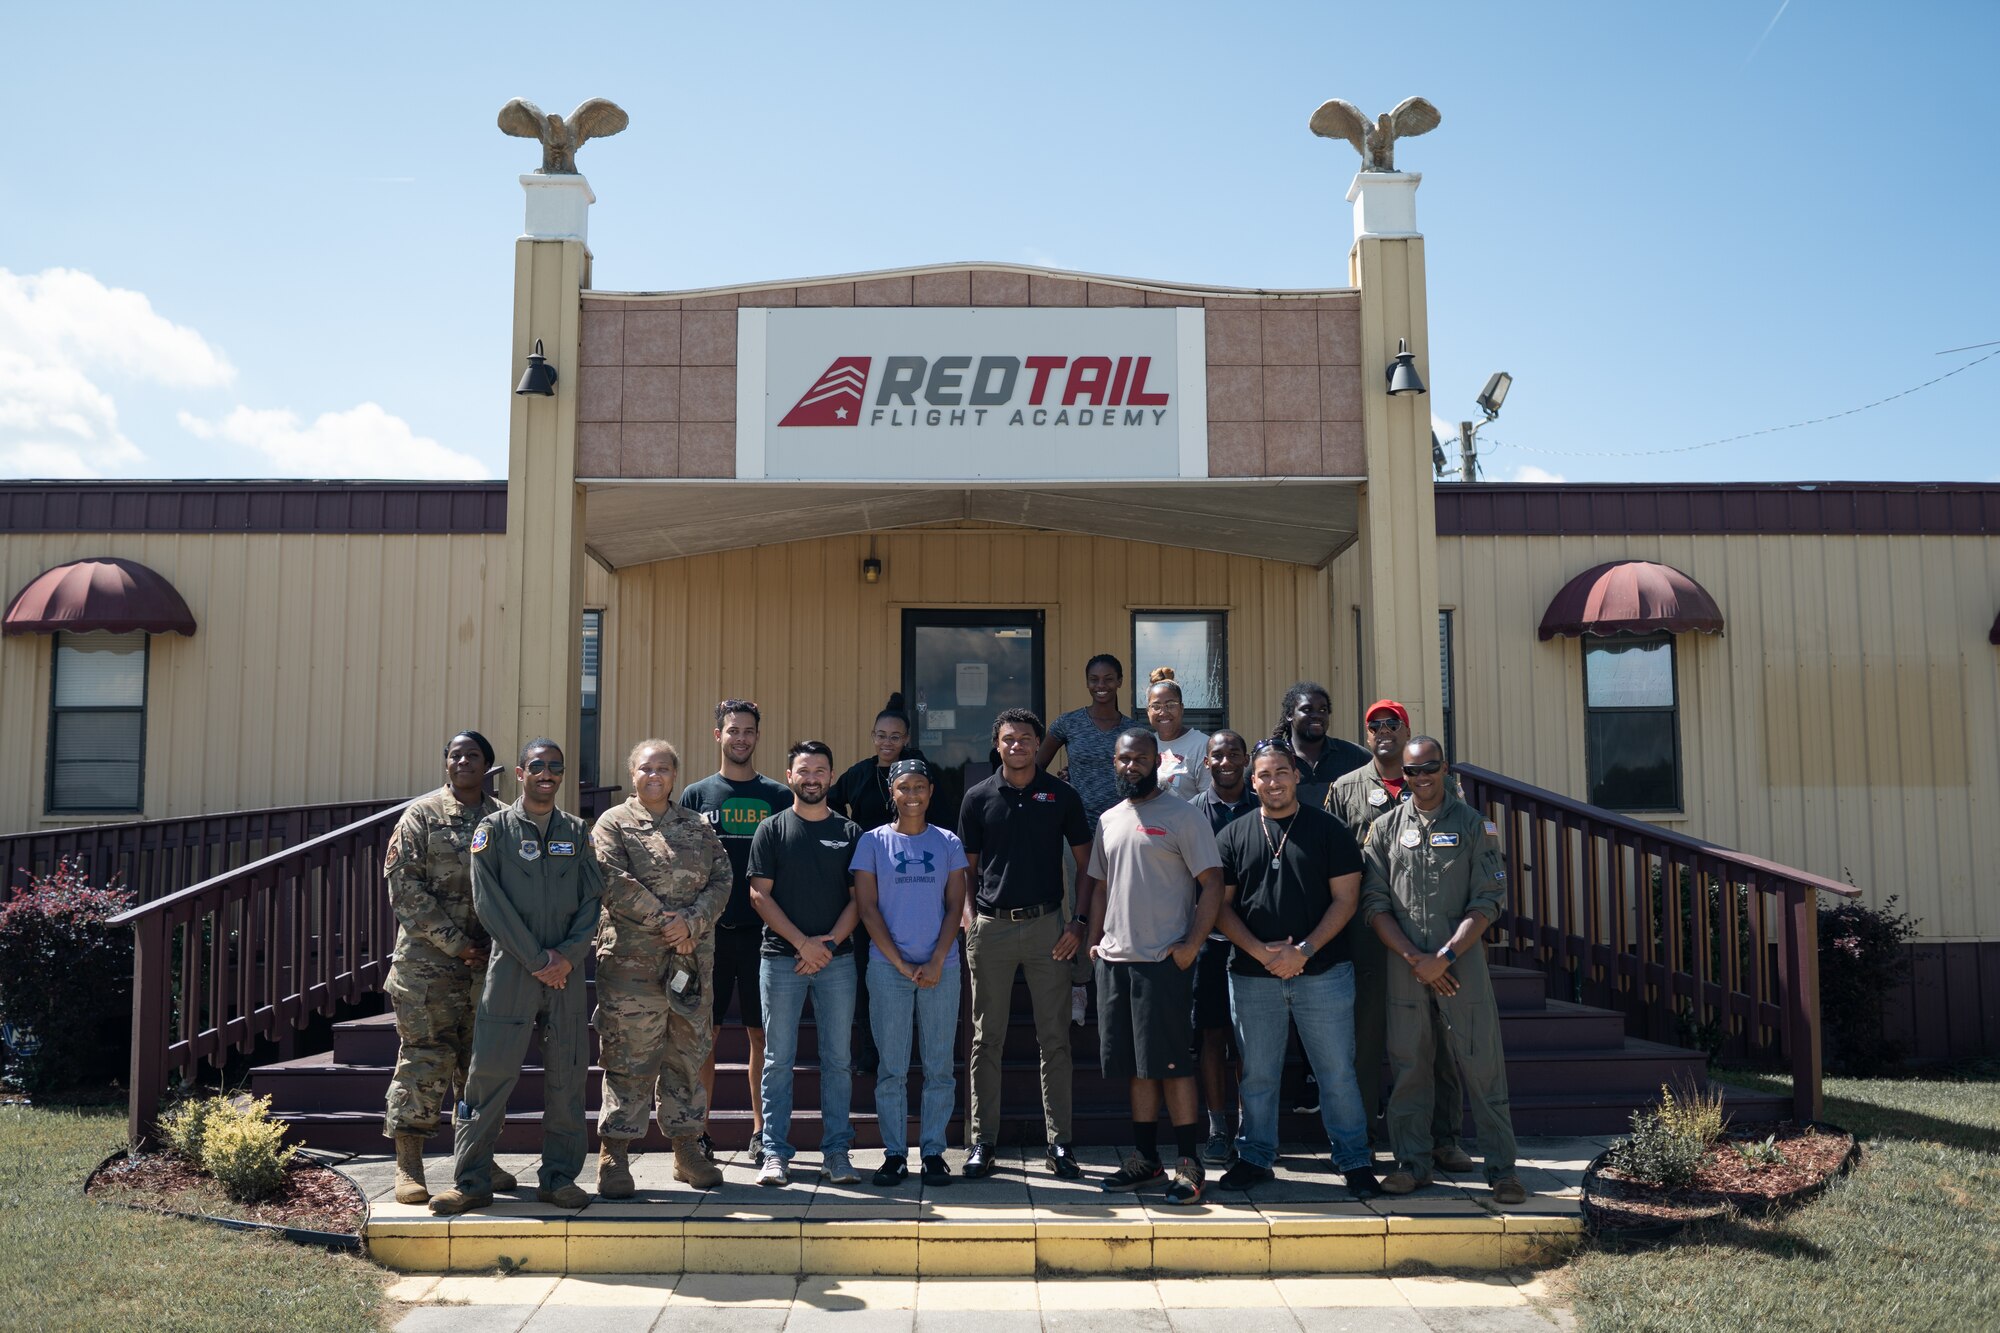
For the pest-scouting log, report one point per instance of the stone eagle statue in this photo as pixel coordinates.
(560, 137)
(1375, 141)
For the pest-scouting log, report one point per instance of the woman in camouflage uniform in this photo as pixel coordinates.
(666, 880)
(440, 959)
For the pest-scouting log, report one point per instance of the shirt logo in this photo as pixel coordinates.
(1046, 797)
(531, 850)
(835, 843)
(1444, 840)
(562, 849)
(1150, 831)
(1410, 837)
(479, 841)
(924, 861)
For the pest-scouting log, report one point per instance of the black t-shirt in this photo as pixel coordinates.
(806, 861)
(1316, 848)
(1021, 835)
(1336, 761)
(862, 792)
(735, 810)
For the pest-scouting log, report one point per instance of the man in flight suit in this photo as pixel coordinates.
(535, 887)
(1432, 881)
(1358, 799)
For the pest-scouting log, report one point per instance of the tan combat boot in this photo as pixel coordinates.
(614, 1175)
(693, 1166)
(410, 1187)
(454, 1201)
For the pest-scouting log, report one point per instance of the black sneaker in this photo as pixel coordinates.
(1244, 1174)
(1062, 1162)
(937, 1171)
(1186, 1186)
(706, 1144)
(894, 1170)
(755, 1153)
(1135, 1173)
(1362, 1184)
(978, 1162)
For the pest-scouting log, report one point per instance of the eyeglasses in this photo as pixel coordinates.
(1423, 770)
(1385, 723)
(554, 767)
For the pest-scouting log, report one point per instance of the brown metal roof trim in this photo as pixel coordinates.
(1484, 509)
(333, 507)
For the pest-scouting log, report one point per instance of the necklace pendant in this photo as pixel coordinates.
(1274, 860)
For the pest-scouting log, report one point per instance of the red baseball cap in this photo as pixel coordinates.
(1387, 706)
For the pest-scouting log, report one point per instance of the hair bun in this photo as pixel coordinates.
(1160, 674)
(895, 704)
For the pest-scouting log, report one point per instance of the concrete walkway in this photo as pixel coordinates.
(1507, 1302)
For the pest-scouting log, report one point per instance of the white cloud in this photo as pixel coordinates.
(363, 441)
(59, 331)
(1529, 472)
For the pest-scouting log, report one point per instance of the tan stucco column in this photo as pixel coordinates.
(543, 594)
(1398, 541)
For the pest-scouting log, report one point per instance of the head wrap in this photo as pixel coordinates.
(903, 768)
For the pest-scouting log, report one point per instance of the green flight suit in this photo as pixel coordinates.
(1434, 870)
(532, 892)
(1357, 799)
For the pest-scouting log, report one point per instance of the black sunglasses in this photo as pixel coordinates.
(1425, 769)
(1385, 724)
(552, 766)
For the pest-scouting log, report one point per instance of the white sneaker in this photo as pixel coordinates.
(774, 1171)
(839, 1170)
(1079, 1004)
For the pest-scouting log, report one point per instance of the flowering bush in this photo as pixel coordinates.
(1861, 959)
(66, 978)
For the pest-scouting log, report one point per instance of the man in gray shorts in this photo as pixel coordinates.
(1162, 888)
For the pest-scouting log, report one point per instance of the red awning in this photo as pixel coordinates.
(1631, 597)
(102, 594)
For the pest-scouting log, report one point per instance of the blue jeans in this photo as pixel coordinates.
(1322, 1007)
(895, 1001)
(783, 993)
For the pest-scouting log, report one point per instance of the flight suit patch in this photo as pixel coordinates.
(1410, 837)
(1444, 840)
(1378, 797)
(479, 841)
(562, 849)
(1492, 829)
(531, 850)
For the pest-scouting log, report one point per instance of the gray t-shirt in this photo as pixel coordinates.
(1148, 856)
(1087, 750)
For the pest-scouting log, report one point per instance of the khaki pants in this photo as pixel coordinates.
(1371, 1041)
(1466, 1026)
(995, 950)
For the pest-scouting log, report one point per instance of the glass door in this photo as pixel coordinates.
(960, 670)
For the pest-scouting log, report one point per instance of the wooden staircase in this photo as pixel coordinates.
(1571, 1070)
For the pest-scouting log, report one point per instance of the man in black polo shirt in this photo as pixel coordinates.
(1322, 759)
(1291, 881)
(1016, 826)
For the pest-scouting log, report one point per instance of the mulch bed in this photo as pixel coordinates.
(313, 1198)
(1814, 1155)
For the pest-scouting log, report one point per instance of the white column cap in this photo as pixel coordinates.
(1385, 203)
(558, 207)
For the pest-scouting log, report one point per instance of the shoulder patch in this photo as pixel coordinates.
(1492, 829)
(479, 840)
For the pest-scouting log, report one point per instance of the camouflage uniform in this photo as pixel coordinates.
(648, 1037)
(430, 886)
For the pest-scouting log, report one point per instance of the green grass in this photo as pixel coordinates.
(67, 1263)
(1909, 1240)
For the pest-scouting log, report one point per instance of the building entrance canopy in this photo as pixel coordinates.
(1306, 521)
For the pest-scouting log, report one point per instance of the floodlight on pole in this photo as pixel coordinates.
(1494, 394)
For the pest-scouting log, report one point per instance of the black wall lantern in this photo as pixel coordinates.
(540, 376)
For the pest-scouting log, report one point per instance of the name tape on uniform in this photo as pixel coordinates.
(1444, 840)
(562, 849)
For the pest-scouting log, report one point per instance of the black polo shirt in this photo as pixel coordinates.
(1021, 835)
(1337, 758)
(1220, 814)
(1316, 847)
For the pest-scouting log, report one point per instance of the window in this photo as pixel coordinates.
(1195, 645)
(97, 724)
(1449, 701)
(1632, 732)
(593, 654)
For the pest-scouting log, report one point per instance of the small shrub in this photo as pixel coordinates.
(66, 978)
(186, 1126)
(1767, 1153)
(242, 1148)
(1669, 1140)
(1861, 959)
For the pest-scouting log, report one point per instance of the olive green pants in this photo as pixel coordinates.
(995, 951)
(1371, 1042)
(511, 1010)
(1423, 1026)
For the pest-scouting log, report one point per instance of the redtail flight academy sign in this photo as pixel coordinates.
(969, 394)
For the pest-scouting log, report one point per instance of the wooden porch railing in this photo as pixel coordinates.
(1693, 943)
(154, 857)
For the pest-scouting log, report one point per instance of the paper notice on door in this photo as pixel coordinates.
(941, 719)
(972, 684)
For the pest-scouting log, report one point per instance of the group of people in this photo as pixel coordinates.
(1218, 894)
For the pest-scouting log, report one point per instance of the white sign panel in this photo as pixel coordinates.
(900, 394)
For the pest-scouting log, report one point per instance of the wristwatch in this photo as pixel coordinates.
(1080, 920)
(1450, 954)
(1305, 949)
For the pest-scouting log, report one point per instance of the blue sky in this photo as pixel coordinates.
(277, 240)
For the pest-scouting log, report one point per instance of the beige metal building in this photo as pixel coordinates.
(1038, 466)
